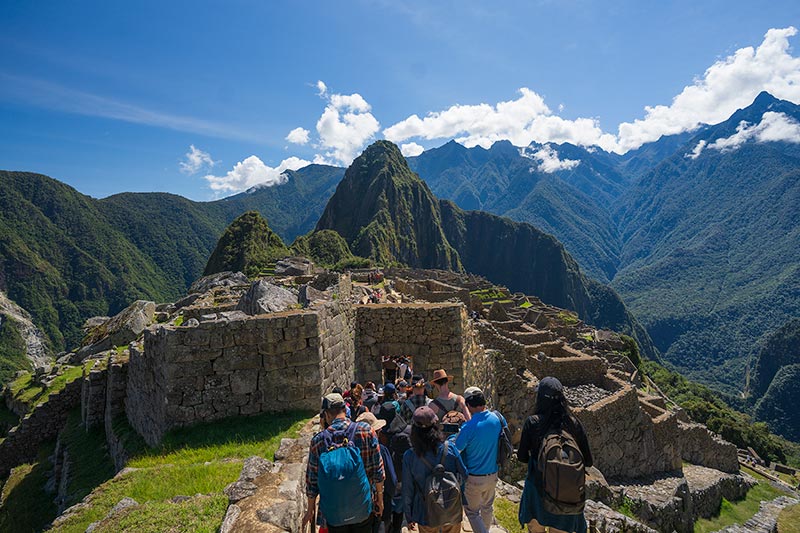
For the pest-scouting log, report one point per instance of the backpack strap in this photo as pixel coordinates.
(350, 433)
(444, 453)
(440, 405)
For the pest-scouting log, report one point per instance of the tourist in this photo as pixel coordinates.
(370, 396)
(552, 414)
(396, 435)
(357, 408)
(428, 450)
(446, 401)
(417, 399)
(478, 443)
(390, 484)
(402, 390)
(451, 424)
(350, 490)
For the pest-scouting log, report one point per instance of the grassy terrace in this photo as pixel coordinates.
(739, 512)
(197, 462)
(24, 390)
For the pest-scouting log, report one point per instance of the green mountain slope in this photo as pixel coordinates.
(248, 245)
(709, 262)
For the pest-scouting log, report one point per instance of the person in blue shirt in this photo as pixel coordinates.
(426, 442)
(477, 442)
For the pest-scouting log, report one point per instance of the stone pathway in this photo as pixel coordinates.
(765, 520)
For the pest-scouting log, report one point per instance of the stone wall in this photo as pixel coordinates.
(698, 445)
(336, 339)
(93, 395)
(623, 438)
(116, 390)
(434, 335)
(42, 424)
(431, 290)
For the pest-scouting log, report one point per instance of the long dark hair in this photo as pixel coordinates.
(426, 439)
(554, 413)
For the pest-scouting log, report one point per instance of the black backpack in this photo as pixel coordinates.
(441, 494)
(505, 450)
(562, 473)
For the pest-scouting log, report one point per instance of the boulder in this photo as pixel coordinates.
(93, 322)
(119, 330)
(294, 266)
(265, 297)
(309, 295)
(220, 279)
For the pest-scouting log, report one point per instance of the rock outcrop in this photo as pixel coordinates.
(119, 330)
(265, 297)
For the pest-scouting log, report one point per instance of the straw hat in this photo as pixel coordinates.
(372, 420)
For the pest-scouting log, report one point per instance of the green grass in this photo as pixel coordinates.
(789, 520)
(179, 320)
(627, 508)
(490, 295)
(507, 514)
(738, 512)
(199, 515)
(24, 390)
(525, 305)
(90, 464)
(26, 506)
(568, 318)
(201, 459)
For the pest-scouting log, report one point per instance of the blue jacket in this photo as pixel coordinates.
(414, 475)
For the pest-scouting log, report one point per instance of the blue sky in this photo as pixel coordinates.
(110, 96)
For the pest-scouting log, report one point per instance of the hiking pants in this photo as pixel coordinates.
(455, 528)
(363, 527)
(479, 499)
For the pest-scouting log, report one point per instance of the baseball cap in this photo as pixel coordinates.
(473, 392)
(332, 400)
(549, 388)
(389, 389)
(424, 417)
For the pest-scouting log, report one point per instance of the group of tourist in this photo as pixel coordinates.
(417, 453)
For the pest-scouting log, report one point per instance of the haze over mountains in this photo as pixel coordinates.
(697, 232)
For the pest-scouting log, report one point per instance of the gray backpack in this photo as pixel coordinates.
(562, 473)
(442, 494)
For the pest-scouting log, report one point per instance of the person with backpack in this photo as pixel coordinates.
(390, 483)
(345, 470)
(446, 401)
(355, 402)
(478, 443)
(556, 449)
(396, 435)
(417, 399)
(433, 474)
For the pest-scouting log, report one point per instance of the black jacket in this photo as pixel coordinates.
(533, 433)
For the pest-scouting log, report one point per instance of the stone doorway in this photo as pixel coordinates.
(395, 367)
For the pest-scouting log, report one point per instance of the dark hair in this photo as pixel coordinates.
(553, 411)
(426, 439)
(476, 400)
(337, 390)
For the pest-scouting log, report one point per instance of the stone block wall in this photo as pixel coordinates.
(41, 424)
(431, 290)
(337, 339)
(624, 440)
(698, 445)
(432, 334)
(116, 390)
(93, 395)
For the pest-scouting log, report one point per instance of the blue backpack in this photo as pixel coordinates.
(345, 493)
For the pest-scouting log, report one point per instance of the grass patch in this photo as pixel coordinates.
(738, 512)
(789, 520)
(90, 465)
(490, 295)
(507, 514)
(200, 459)
(199, 515)
(26, 506)
(627, 507)
(178, 321)
(567, 318)
(525, 305)
(26, 391)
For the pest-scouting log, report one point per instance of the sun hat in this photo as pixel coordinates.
(372, 420)
(440, 374)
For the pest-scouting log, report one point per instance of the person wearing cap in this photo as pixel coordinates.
(445, 400)
(397, 437)
(552, 411)
(427, 443)
(417, 399)
(402, 390)
(366, 441)
(477, 441)
(390, 484)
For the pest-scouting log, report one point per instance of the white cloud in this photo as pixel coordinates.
(253, 172)
(727, 85)
(548, 159)
(411, 149)
(345, 126)
(196, 160)
(695, 153)
(322, 89)
(298, 136)
(522, 121)
(773, 127)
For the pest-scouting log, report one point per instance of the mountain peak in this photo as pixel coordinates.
(248, 245)
(764, 99)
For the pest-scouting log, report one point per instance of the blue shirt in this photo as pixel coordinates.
(477, 442)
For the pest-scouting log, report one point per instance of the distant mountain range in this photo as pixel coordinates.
(697, 232)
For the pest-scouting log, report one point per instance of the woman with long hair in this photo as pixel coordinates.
(552, 414)
(427, 450)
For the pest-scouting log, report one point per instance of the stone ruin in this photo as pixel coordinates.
(205, 359)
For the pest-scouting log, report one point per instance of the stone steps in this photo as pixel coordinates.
(766, 519)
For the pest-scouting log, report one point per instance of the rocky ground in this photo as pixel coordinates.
(585, 395)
